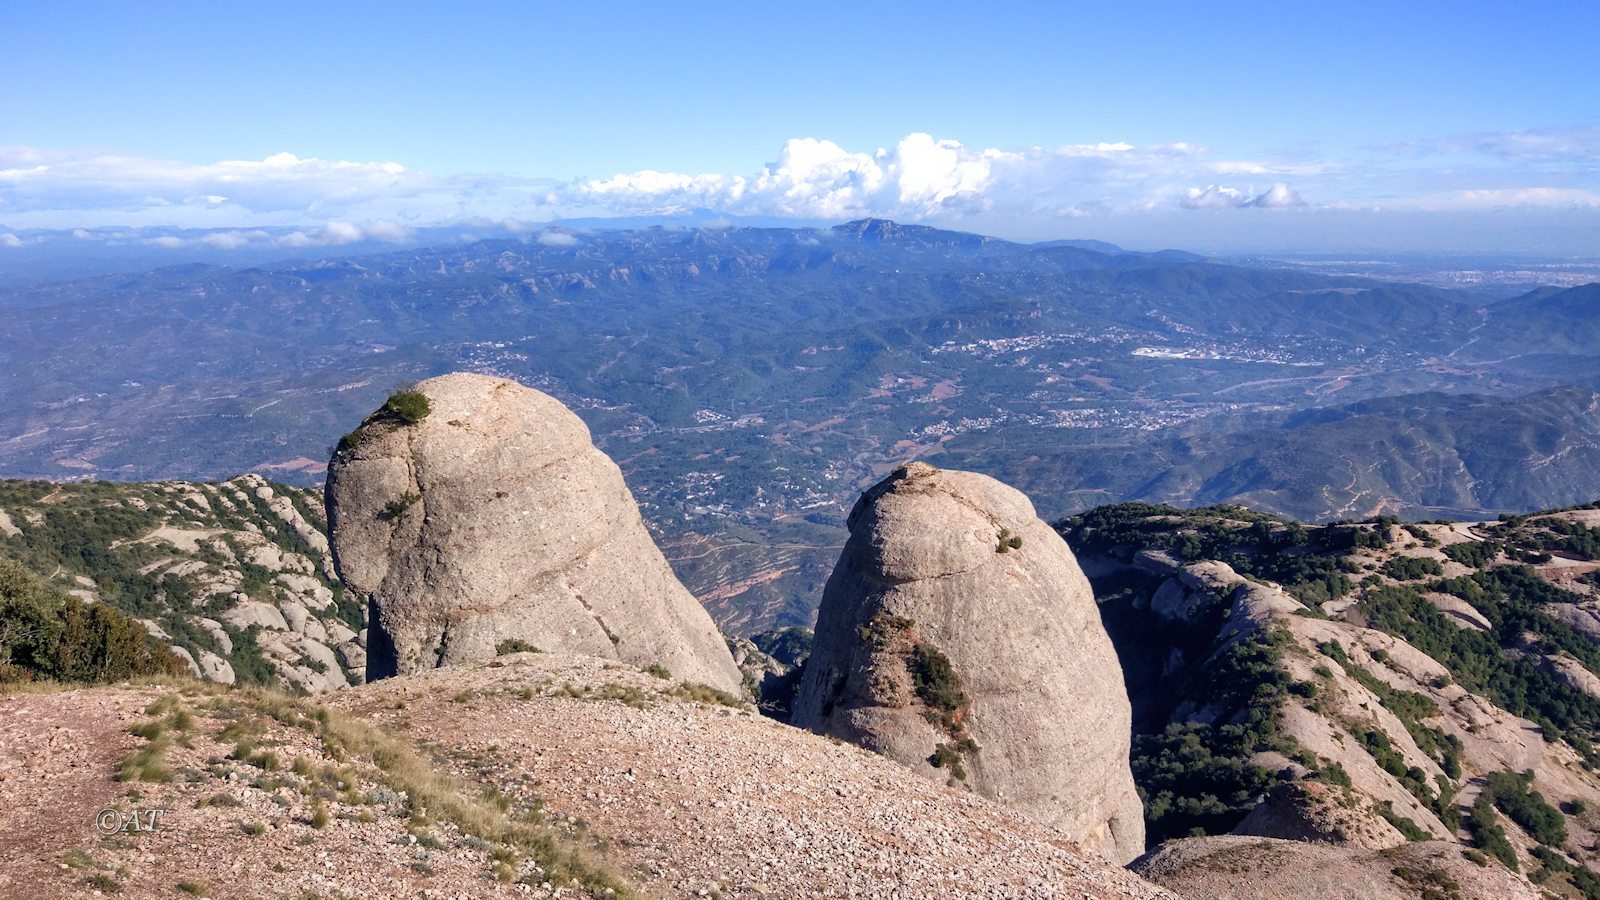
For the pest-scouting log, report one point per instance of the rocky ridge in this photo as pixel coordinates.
(1313, 713)
(236, 576)
(1257, 868)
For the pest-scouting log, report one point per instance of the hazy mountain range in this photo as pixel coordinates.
(751, 380)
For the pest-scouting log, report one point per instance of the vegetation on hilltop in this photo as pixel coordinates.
(45, 634)
(405, 406)
(1255, 544)
(174, 553)
(1206, 709)
(1198, 778)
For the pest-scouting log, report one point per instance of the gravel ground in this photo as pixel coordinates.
(678, 796)
(699, 799)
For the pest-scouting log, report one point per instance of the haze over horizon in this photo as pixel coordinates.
(1252, 128)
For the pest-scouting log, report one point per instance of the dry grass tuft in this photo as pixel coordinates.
(705, 693)
(482, 815)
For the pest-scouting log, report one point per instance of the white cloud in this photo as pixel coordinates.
(1501, 198)
(921, 177)
(1279, 196)
(1217, 196)
(34, 180)
(333, 233)
(557, 239)
(337, 232)
(10, 240)
(292, 201)
(233, 240)
(1213, 196)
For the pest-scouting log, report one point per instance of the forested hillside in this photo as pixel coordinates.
(1364, 683)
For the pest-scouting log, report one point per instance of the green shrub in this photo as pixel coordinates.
(1402, 824)
(396, 508)
(1488, 834)
(47, 634)
(1584, 879)
(410, 406)
(1473, 554)
(250, 663)
(948, 757)
(514, 645)
(934, 679)
(403, 407)
(1201, 776)
(1334, 773)
(1509, 792)
(1411, 568)
(884, 629)
(1196, 776)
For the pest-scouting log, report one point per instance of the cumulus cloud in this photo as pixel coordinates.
(10, 240)
(1213, 196)
(328, 234)
(336, 233)
(233, 240)
(557, 239)
(1216, 196)
(920, 177)
(1279, 196)
(291, 201)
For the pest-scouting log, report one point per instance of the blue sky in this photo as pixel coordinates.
(1460, 126)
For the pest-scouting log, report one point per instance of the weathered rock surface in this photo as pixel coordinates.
(1317, 812)
(958, 636)
(1257, 868)
(494, 518)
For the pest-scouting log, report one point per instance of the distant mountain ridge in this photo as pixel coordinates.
(1553, 321)
(749, 380)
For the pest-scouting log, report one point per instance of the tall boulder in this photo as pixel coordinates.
(472, 513)
(958, 636)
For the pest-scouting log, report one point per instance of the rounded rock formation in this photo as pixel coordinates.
(958, 636)
(485, 520)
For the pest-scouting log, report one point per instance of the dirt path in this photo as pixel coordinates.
(58, 753)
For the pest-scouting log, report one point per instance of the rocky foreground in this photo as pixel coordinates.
(529, 775)
(1371, 709)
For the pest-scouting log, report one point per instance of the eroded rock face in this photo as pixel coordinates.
(958, 636)
(1317, 812)
(1231, 866)
(493, 518)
